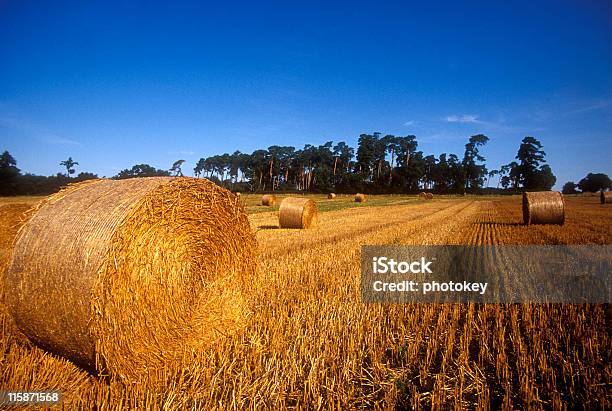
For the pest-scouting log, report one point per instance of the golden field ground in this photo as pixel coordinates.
(310, 343)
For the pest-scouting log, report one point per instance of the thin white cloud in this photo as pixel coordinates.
(591, 107)
(463, 118)
(62, 142)
(409, 123)
(182, 152)
(490, 126)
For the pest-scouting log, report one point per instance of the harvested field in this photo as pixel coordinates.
(311, 343)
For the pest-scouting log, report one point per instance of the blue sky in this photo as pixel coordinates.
(113, 85)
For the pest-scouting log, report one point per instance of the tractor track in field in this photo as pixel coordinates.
(336, 227)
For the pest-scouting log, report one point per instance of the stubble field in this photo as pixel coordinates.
(309, 342)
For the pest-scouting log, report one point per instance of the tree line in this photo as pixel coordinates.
(379, 164)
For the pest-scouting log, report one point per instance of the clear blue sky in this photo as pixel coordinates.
(113, 85)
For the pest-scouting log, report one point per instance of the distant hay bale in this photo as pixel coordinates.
(238, 194)
(606, 197)
(268, 200)
(132, 277)
(331, 196)
(360, 198)
(544, 207)
(297, 212)
(422, 195)
(429, 196)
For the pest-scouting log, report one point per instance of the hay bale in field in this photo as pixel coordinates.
(238, 194)
(331, 196)
(360, 198)
(132, 276)
(543, 207)
(268, 200)
(422, 195)
(429, 196)
(605, 197)
(297, 212)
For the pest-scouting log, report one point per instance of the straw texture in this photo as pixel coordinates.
(543, 207)
(606, 197)
(298, 212)
(132, 276)
(331, 196)
(268, 200)
(360, 198)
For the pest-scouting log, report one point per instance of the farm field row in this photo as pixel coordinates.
(310, 342)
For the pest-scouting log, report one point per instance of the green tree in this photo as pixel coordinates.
(474, 173)
(530, 156)
(569, 188)
(199, 168)
(9, 174)
(176, 168)
(544, 179)
(594, 182)
(366, 154)
(141, 170)
(530, 172)
(69, 164)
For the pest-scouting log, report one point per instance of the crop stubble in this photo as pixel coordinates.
(310, 341)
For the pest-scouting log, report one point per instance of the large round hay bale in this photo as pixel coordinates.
(297, 212)
(132, 277)
(331, 196)
(543, 207)
(429, 196)
(423, 195)
(360, 198)
(268, 200)
(606, 197)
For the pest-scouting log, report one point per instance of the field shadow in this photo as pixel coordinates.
(268, 227)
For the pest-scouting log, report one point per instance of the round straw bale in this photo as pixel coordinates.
(268, 200)
(297, 212)
(132, 277)
(422, 195)
(331, 196)
(360, 198)
(238, 194)
(429, 196)
(543, 207)
(606, 197)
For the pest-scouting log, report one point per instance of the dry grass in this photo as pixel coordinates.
(311, 343)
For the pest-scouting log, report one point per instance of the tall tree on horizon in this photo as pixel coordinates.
(176, 168)
(473, 172)
(69, 164)
(9, 174)
(530, 172)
